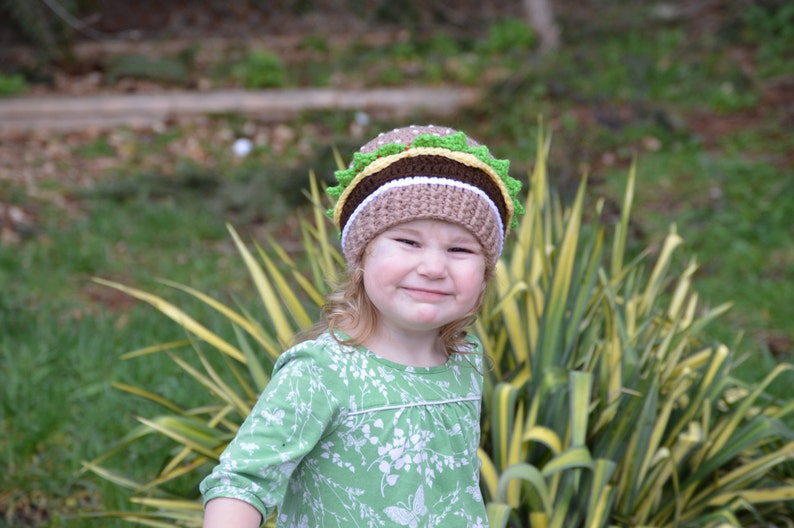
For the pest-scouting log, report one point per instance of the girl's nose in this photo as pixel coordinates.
(433, 264)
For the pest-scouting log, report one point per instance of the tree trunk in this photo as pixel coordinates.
(541, 18)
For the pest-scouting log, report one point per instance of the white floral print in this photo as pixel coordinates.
(343, 438)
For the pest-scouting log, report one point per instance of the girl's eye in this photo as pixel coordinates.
(462, 250)
(407, 242)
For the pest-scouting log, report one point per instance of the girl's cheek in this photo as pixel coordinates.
(477, 276)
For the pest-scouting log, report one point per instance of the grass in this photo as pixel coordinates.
(62, 337)
(159, 211)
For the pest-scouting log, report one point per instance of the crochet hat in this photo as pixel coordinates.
(419, 173)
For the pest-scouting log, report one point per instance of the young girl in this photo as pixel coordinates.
(376, 421)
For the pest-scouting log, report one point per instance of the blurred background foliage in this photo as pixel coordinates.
(698, 94)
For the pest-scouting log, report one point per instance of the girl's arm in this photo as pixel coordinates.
(223, 512)
(286, 423)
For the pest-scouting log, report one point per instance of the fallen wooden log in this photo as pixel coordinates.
(146, 109)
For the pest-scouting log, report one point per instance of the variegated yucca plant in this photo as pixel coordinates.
(604, 405)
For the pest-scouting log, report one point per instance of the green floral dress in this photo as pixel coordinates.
(343, 438)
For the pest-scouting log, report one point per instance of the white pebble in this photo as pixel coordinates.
(242, 147)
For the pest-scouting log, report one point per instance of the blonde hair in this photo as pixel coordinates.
(349, 306)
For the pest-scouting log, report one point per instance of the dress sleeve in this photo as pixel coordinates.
(289, 419)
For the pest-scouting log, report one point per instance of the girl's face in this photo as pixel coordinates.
(423, 274)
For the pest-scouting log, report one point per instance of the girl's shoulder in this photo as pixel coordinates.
(475, 341)
(322, 351)
(473, 354)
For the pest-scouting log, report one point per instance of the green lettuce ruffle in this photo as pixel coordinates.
(454, 142)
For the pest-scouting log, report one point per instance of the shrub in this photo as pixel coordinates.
(508, 35)
(261, 69)
(12, 85)
(159, 69)
(47, 30)
(604, 404)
